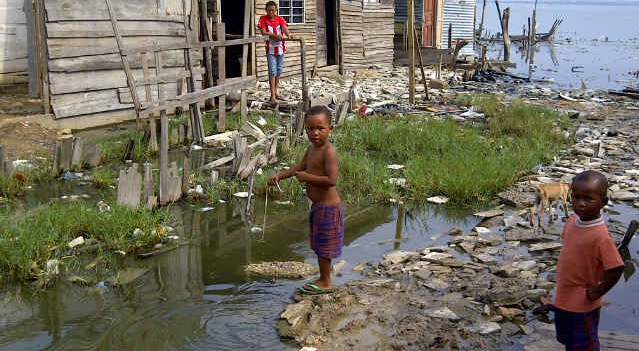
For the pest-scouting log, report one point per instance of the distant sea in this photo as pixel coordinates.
(597, 42)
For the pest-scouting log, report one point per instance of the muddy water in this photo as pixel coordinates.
(198, 297)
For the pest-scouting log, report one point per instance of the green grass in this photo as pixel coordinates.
(42, 234)
(103, 177)
(442, 157)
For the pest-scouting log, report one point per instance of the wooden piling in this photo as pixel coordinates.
(76, 156)
(164, 157)
(129, 186)
(503, 20)
(186, 172)
(221, 69)
(148, 193)
(2, 170)
(411, 51)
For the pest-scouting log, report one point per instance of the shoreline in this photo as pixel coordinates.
(479, 290)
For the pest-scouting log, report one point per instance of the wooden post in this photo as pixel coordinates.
(2, 171)
(148, 194)
(129, 186)
(206, 52)
(503, 20)
(186, 172)
(194, 108)
(450, 35)
(66, 152)
(42, 59)
(221, 68)
(421, 64)
(153, 139)
(125, 61)
(484, 52)
(55, 169)
(164, 157)
(76, 156)
(481, 23)
(305, 98)
(411, 51)
(248, 9)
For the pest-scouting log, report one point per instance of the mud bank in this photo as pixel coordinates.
(478, 291)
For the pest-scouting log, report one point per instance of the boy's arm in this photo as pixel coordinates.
(287, 173)
(331, 168)
(608, 279)
(286, 32)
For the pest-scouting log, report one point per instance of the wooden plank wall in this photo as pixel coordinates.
(13, 42)
(85, 70)
(367, 34)
(299, 30)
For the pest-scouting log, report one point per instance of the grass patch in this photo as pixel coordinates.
(441, 157)
(102, 177)
(43, 234)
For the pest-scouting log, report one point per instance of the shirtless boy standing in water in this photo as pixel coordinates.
(318, 169)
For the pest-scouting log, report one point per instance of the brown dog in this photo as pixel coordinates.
(545, 194)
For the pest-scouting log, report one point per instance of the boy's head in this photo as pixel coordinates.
(318, 122)
(271, 9)
(589, 191)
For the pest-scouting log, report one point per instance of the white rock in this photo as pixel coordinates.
(485, 328)
(241, 194)
(442, 312)
(525, 265)
(623, 195)
(76, 242)
(482, 230)
(437, 199)
(437, 257)
(396, 257)
(394, 166)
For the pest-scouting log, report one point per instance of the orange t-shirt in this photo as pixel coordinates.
(587, 252)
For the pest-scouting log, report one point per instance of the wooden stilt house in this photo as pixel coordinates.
(72, 58)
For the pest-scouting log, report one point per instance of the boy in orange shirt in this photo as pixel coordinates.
(589, 265)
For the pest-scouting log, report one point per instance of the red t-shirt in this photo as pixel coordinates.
(587, 252)
(273, 47)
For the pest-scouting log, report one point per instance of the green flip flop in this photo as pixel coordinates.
(314, 290)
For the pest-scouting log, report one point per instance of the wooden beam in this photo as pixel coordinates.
(410, 28)
(125, 62)
(221, 69)
(219, 90)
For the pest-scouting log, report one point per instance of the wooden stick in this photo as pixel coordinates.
(411, 51)
(206, 53)
(503, 20)
(125, 61)
(248, 8)
(221, 69)
(632, 228)
(164, 157)
(421, 64)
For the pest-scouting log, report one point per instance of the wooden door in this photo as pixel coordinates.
(428, 23)
(321, 49)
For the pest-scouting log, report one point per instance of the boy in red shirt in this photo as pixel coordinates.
(589, 265)
(277, 30)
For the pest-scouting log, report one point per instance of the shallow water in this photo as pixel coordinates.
(597, 42)
(198, 297)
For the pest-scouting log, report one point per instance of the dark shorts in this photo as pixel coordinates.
(326, 230)
(578, 331)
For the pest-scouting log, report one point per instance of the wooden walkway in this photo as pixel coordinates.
(543, 339)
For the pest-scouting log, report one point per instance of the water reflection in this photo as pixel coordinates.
(198, 297)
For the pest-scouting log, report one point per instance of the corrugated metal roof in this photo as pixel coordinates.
(401, 10)
(461, 14)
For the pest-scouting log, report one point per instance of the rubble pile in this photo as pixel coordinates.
(478, 290)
